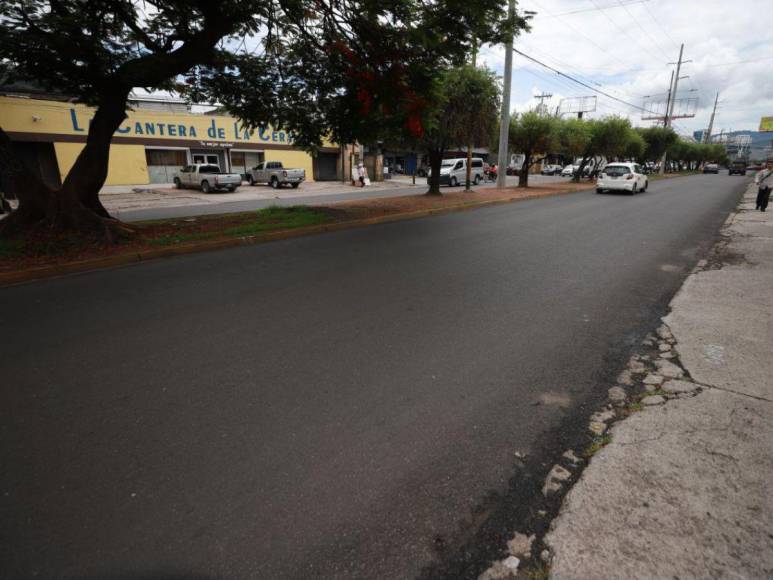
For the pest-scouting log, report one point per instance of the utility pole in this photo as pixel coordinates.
(468, 173)
(672, 101)
(668, 99)
(707, 136)
(504, 120)
(542, 108)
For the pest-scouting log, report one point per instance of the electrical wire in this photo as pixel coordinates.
(579, 82)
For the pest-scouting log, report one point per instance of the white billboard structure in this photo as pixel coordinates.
(577, 106)
(737, 146)
(656, 110)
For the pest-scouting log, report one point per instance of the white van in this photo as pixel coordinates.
(453, 172)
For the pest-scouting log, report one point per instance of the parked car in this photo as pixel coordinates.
(622, 177)
(569, 170)
(454, 171)
(551, 169)
(737, 167)
(274, 173)
(206, 177)
(711, 168)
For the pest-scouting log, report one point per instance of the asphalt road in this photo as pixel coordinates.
(288, 197)
(340, 406)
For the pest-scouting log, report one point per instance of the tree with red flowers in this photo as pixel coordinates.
(355, 70)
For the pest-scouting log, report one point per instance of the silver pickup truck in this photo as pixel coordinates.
(206, 177)
(275, 175)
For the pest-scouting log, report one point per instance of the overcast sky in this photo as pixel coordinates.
(622, 47)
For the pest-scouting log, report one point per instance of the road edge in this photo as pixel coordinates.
(56, 270)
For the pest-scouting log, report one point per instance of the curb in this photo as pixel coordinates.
(50, 271)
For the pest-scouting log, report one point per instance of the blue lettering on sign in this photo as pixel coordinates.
(123, 129)
(138, 128)
(212, 130)
(150, 129)
(237, 133)
(192, 131)
(171, 130)
(160, 128)
(181, 130)
(281, 136)
(220, 133)
(74, 119)
(273, 136)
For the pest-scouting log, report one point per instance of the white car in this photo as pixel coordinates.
(622, 177)
(569, 170)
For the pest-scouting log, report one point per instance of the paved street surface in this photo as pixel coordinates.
(173, 203)
(683, 489)
(340, 406)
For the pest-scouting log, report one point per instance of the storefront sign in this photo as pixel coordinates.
(187, 127)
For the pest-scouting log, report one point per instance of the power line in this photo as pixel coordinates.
(616, 25)
(579, 10)
(636, 21)
(579, 82)
(581, 33)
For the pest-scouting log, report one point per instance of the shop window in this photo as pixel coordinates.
(174, 157)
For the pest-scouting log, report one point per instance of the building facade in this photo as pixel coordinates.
(153, 143)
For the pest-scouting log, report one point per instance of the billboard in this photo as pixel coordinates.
(577, 105)
(766, 124)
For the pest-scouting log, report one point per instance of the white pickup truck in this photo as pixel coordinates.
(206, 177)
(273, 173)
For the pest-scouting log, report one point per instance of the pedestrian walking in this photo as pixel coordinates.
(363, 174)
(763, 179)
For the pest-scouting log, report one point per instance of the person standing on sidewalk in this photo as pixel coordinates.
(363, 174)
(762, 179)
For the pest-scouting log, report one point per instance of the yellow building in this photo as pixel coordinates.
(151, 145)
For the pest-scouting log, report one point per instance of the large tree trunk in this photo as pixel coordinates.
(75, 206)
(89, 172)
(468, 173)
(435, 159)
(523, 174)
(583, 164)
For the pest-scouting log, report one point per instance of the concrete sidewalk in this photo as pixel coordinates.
(683, 490)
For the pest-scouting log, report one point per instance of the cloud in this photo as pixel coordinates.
(625, 50)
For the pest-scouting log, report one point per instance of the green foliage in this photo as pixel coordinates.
(317, 68)
(532, 133)
(690, 153)
(609, 137)
(573, 137)
(658, 140)
(596, 445)
(470, 105)
(636, 146)
(268, 219)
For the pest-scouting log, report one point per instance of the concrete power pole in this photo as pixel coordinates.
(468, 173)
(670, 105)
(504, 120)
(707, 136)
(542, 108)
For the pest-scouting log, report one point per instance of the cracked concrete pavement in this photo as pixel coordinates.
(683, 489)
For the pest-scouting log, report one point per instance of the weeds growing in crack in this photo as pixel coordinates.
(537, 571)
(596, 445)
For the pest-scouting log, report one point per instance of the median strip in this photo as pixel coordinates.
(43, 255)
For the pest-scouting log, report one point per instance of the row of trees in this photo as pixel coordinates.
(536, 136)
(359, 71)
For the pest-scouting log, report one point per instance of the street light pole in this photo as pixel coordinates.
(504, 120)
